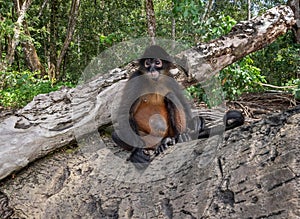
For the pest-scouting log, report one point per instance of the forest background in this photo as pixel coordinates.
(45, 45)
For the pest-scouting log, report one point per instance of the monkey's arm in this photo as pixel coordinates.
(129, 138)
(176, 114)
(125, 134)
(139, 156)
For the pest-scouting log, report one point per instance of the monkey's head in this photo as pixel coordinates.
(155, 62)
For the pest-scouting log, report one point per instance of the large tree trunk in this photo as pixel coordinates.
(252, 172)
(31, 56)
(53, 120)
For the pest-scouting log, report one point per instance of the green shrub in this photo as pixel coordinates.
(18, 88)
(241, 77)
(295, 91)
(235, 79)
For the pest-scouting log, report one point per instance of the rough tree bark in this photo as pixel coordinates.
(31, 56)
(254, 172)
(295, 5)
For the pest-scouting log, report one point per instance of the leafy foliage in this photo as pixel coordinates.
(279, 61)
(199, 29)
(241, 77)
(236, 79)
(296, 90)
(215, 27)
(197, 92)
(19, 88)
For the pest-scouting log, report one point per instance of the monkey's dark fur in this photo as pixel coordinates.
(154, 114)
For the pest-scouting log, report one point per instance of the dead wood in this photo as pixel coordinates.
(57, 119)
(253, 172)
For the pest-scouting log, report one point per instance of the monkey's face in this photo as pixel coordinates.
(153, 67)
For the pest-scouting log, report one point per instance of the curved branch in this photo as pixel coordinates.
(206, 60)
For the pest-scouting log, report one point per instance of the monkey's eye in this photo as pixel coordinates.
(147, 63)
(158, 63)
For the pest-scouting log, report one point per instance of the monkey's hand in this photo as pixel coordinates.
(140, 158)
(170, 141)
(164, 144)
(184, 137)
(196, 125)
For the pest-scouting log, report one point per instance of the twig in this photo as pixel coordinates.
(277, 87)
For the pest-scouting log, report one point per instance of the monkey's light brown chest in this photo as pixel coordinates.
(151, 117)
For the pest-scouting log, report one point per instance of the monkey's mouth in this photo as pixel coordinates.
(154, 74)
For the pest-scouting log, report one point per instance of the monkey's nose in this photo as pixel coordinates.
(154, 74)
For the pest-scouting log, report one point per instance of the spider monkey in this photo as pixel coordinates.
(154, 113)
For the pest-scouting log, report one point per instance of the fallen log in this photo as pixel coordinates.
(57, 119)
(253, 172)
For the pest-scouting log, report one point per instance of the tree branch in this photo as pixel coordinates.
(71, 28)
(205, 60)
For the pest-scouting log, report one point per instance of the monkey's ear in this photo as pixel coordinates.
(178, 71)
